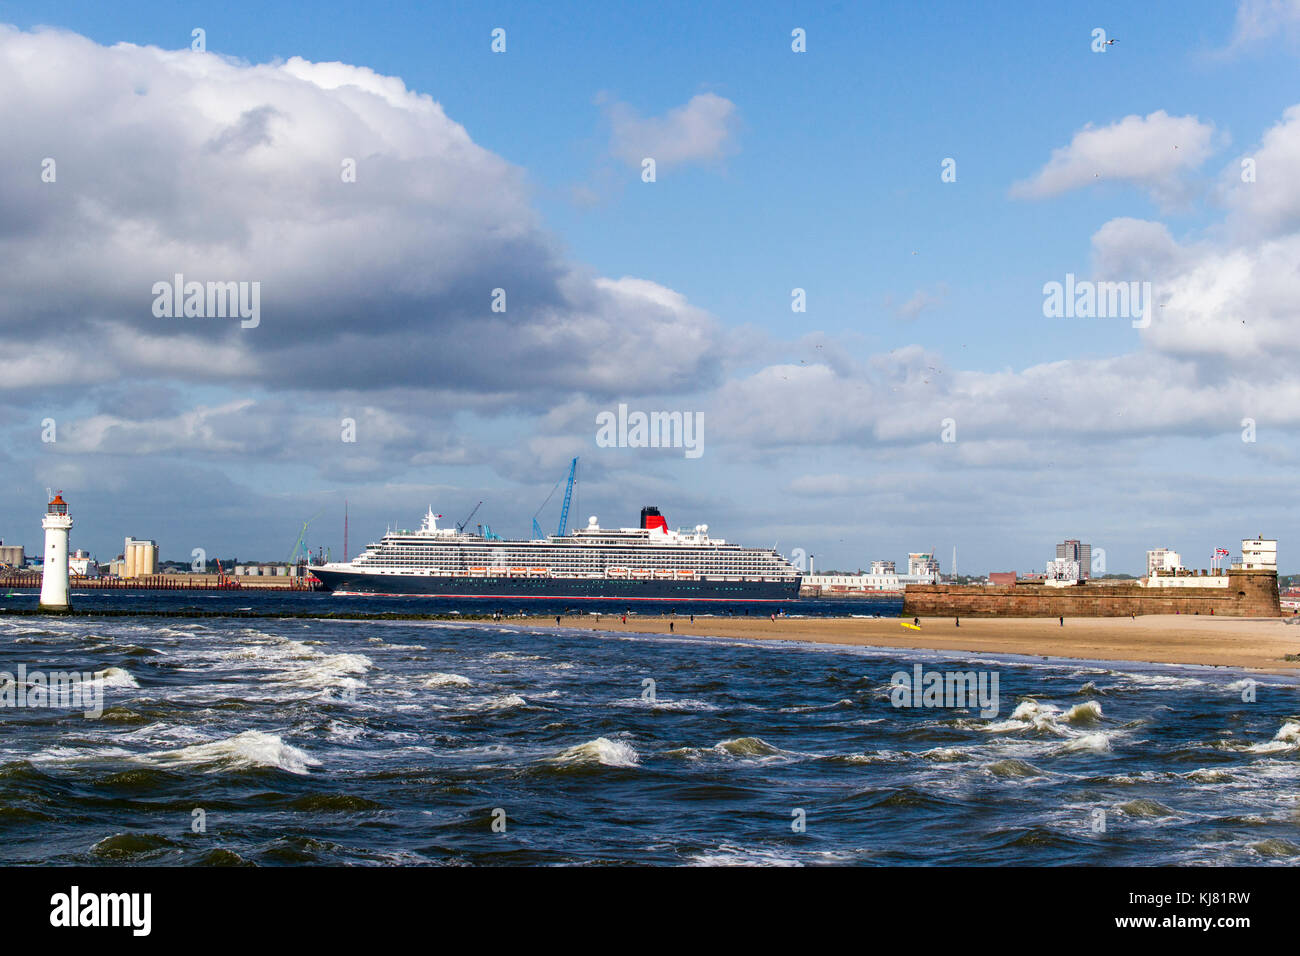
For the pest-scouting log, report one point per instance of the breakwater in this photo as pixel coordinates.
(166, 582)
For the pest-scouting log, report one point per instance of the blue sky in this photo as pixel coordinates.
(826, 177)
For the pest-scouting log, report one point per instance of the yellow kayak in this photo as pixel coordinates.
(915, 627)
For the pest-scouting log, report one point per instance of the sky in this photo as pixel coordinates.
(840, 267)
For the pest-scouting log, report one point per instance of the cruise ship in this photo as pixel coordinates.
(648, 563)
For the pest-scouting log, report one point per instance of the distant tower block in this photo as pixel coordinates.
(54, 577)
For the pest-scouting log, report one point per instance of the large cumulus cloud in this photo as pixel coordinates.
(184, 162)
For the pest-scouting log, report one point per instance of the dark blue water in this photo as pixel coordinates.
(306, 741)
(299, 602)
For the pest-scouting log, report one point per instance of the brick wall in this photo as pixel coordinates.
(1248, 594)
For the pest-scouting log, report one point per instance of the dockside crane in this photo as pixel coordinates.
(465, 523)
(302, 535)
(568, 496)
(564, 513)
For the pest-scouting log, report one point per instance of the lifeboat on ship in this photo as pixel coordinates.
(617, 572)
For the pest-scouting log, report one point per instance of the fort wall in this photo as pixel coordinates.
(1248, 594)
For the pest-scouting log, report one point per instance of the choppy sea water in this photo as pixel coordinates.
(344, 742)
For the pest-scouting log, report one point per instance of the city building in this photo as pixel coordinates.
(1163, 561)
(922, 568)
(1074, 550)
(1258, 554)
(11, 555)
(1063, 571)
(922, 564)
(140, 558)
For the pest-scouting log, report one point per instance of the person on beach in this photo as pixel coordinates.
(957, 621)
(1062, 620)
(670, 627)
(557, 620)
(624, 618)
(692, 618)
(916, 622)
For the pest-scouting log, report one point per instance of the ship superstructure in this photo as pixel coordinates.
(650, 562)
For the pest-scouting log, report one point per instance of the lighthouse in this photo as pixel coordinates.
(54, 577)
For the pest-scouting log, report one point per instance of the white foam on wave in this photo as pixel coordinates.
(1160, 681)
(1028, 714)
(439, 679)
(297, 664)
(252, 748)
(602, 750)
(1089, 712)
(504, 702)
(1287, 738)
(1095, 743)
(728, 855)
(748, 747)
(116, 677)
(664, 703)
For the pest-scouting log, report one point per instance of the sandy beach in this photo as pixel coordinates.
(1247, 643)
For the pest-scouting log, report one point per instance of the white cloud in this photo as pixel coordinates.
(921, 300)
(1261, 19)
(700, 131)
(1268, 205)
(1147, 151)
(182, 162)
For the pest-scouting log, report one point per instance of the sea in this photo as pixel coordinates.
(228, 740)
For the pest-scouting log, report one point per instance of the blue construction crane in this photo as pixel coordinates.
(537, 531)
(568, 496)
(300, 548)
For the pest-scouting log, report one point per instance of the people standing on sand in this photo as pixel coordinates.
(692, 618)
(670, 627)
(916, 622)
(1062, 620)
(773, 618)
(957, 621)
(624, 618)
(557, 620)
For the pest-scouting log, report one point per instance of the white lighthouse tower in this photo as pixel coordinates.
(54, 578)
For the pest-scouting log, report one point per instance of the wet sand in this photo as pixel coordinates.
(1247, 643)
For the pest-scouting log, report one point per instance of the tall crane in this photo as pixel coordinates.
(298, 546)
(568, 496)
(462, 525)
